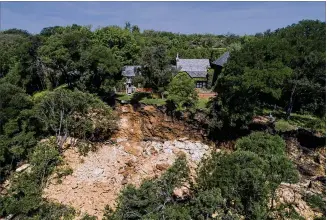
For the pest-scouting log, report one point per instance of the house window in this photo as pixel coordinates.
(200, 84)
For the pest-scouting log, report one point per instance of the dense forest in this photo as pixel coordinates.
(61, 83)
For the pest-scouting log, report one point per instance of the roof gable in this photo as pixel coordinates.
(193, 65)
(222, 59)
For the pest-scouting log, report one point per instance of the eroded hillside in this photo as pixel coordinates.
(146, 144)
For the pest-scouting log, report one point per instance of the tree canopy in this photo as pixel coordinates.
(282, 68)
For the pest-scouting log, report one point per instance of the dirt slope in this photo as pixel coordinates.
(147, 143)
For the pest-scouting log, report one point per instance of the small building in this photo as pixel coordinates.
(218, 65)
(195, 68)
(129, 72)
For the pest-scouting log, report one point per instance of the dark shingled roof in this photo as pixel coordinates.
(194, 67)
(221, 60)
(130, 70)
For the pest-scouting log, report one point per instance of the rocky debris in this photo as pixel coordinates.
(312, 177)
(310, 168)
(146, 146)
(182, 192)
(293, 194)
(195, 150)
(98, 179)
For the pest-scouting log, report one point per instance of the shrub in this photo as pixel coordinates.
(316, 201)
(181, 92)
(24, 195)
(73, 113)
(262, 144)
(241, 178)
(138, 96)
(283, 126)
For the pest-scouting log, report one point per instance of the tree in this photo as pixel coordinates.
(121, 42)
(16, 135)
(241, 178)
(181, 91)
(156, 68)
(271, 71)
(60, 55)
(306, 50)
(272, 149)
(100, 71)
(67, 113)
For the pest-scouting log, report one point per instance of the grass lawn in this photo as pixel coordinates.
(202, 103)
(124, 97)
(154, 101)
(296, 120)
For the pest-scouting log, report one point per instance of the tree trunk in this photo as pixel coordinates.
(290, 105)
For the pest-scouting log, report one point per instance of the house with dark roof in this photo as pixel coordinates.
(218, 65)
(129, 72)
(195, 68)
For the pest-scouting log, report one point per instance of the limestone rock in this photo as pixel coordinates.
(162, 166)
(136, 151)
(181, 192)
(22, 168)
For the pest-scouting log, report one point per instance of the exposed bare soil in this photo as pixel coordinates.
(147, 143)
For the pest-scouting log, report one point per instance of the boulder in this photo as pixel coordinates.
(162, 166)
(181, 192)
(22, 168)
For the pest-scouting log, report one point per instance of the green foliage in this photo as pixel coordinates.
(157, 102)
(124, 97)
(207, 203)
(156, 68)
(262, 144)
(285, 67)
(272, 149)
(138, 96)
(282, 125)
(53, 211)
(100, 70)
(210, 77)
(202, 103)
(121, 41)
(256, 168)
(24, 195)
(316, 201)
(61, 53)
(88, 217)
(64, 171)
(17, 133)
(67, 113)
(181, 92)
(241, 178)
